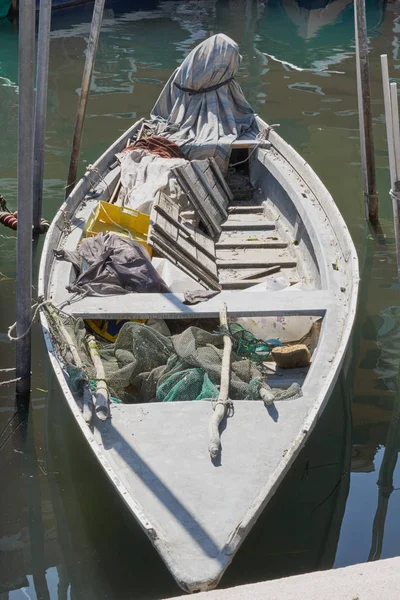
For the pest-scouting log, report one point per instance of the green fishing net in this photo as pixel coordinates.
(247, 345)
(143, 365)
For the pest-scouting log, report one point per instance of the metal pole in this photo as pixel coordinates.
(388, 119)
(364, 111)
(41, 107)
(85, 89)
(392, 134)
(26, 104)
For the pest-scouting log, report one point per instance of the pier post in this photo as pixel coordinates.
(41, 107)
(393, 142)
(365, 114)
(84, 95)
(26, 103)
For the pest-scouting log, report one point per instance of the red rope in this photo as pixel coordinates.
(11, 220)
(158, 145)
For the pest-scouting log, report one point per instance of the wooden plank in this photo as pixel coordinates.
(247, 226)
(164, 248)
(242, 264)
(250, 144)
(245, 209)
(240, 284)
(197, 238)
(208, 219)
(184, 248)
(203, 172)
(256, 304)
(262, 273)
(240, 243)
(218, 175)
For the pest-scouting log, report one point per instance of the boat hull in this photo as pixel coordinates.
(197, 513)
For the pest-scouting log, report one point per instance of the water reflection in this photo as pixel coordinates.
(63, 532)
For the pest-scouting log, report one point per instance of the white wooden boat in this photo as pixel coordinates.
(197, 512)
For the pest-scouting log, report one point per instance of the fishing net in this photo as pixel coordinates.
(144, 365)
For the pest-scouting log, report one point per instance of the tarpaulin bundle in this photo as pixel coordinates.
(202, 106)
(108, 264)
(157, 145)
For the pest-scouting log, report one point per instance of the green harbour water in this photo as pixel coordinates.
(63, 532)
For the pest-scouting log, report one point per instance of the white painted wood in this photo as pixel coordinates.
(170, 306)
(260, 225)
(395, 127)
(388, 119)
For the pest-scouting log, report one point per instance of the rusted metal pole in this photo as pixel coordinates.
(371, 203)
(84, 95)
(26, 106)
(41, 107)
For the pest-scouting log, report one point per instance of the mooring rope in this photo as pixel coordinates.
(37, 307)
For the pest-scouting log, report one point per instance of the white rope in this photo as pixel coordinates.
(7, 370)
(10, 381)
(93, 184)
(37, 307)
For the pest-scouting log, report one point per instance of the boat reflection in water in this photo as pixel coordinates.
(312, 33)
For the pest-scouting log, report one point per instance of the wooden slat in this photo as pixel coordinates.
(260, 225)
(254, 278)
(243, 264)
(183, 246)
(261, 273)
(163, 306)
(245, 209)
(204, 173)
(218, 175)
(188, 182)
(191, 267)
(200, 241)
(240, 284)
(240, 243)
(250, 144)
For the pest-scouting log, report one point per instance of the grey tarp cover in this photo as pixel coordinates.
(108, 264)
(209, 116)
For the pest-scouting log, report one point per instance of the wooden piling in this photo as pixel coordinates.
(26, 103)
(41, 107)
(389, 119)
(365, 113)
(84, 95)
(393, 141)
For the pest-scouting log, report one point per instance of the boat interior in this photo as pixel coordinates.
(255, 243)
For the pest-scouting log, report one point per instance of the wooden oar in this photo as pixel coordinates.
(223, 401)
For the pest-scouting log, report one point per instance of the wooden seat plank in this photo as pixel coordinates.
(163, 306)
